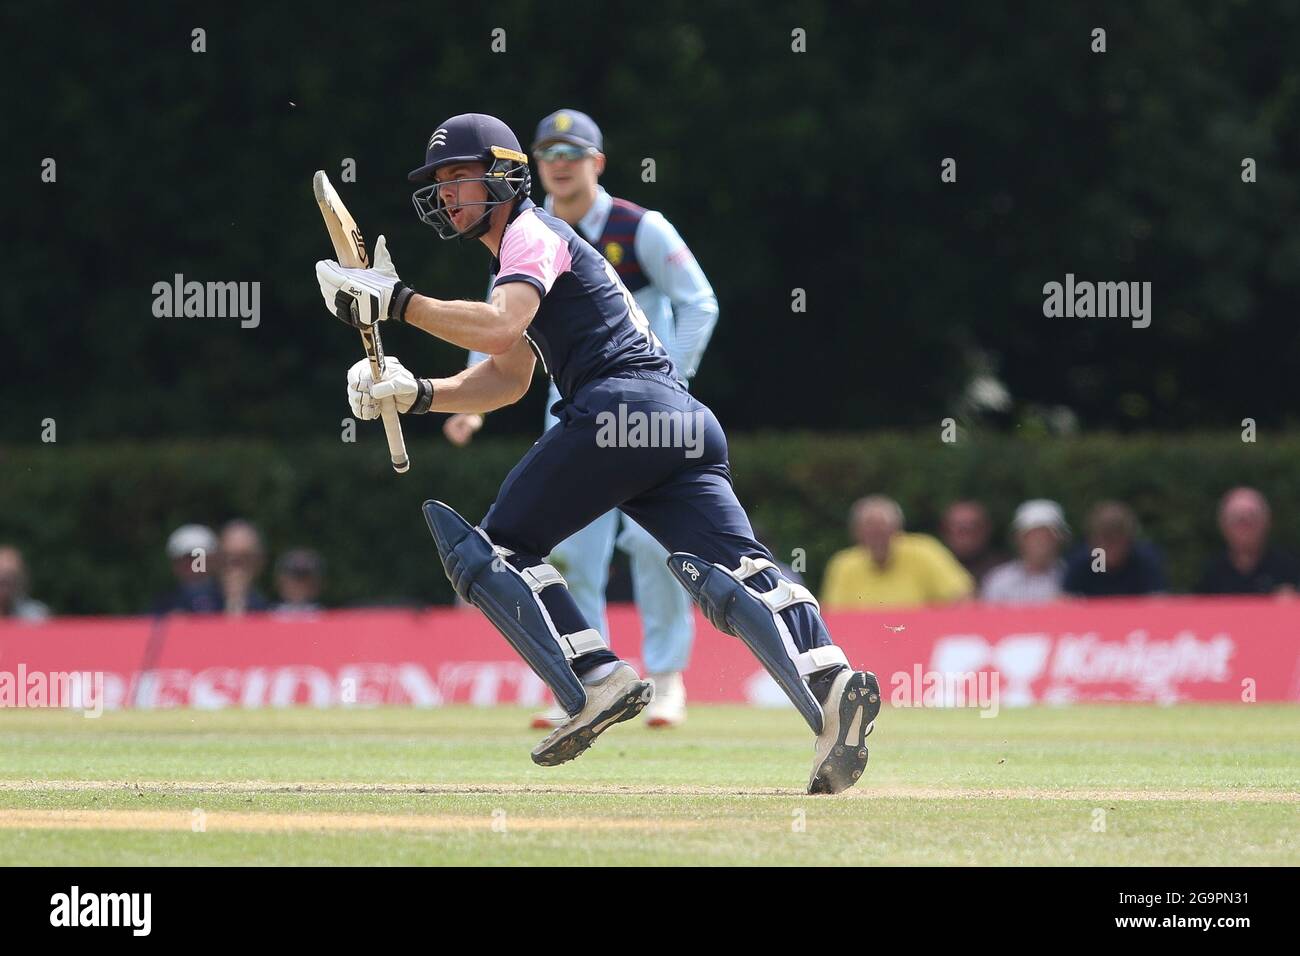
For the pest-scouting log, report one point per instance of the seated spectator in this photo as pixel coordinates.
(298, 579)
(968, 533)
(889, 567)
(1038, 574)
(14, 602)
(1126, 565)
(192, 549)
(242, 559)
(1248, 565)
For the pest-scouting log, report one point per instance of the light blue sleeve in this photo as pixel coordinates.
(671, 268)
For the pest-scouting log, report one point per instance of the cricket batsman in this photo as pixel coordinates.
(557, 301)
(668, 284)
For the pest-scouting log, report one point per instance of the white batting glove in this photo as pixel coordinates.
(365, 395)
(362, 297)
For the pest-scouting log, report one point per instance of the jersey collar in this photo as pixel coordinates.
(524, 205)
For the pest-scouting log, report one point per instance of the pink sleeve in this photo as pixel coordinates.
(532, 253)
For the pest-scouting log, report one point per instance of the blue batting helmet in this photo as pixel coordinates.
(478, 138)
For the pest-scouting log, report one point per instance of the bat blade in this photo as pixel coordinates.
(349, 245)
(350, 250)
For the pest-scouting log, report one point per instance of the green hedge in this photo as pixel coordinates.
(93, 519)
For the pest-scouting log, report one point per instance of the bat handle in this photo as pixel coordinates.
(387, 407)
(393, 429)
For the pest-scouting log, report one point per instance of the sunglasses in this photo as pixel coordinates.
(549, 154)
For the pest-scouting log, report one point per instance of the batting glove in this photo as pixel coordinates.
(365, 395)
(362, 297)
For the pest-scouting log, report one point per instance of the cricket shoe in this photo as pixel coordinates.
(668, 709)
(849, 710)
(618, 696)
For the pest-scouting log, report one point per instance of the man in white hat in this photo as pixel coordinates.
(1037, 575)
(190, 548)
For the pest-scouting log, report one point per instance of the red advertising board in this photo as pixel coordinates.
(1158, 649)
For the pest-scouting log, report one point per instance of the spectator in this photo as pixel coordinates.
(1037, 575)
(889, 567)
(1126, 565)
(298, 578)
(14, 602)
(968, 533)
(1248, 565)
(242, 560)
(191, 548)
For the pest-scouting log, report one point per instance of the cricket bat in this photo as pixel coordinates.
(350, 248)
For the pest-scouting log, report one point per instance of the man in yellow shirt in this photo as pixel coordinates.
(889, 567)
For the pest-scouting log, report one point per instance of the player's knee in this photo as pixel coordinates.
(509, 539)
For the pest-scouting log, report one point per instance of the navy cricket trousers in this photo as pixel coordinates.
(590, 462)
(587, 465)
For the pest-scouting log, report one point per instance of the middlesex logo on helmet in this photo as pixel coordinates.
(614, 253)
(563, 123)
(439, 138)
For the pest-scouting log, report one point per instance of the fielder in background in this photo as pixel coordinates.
(658, 269)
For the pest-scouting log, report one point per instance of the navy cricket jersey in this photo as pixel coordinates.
(588, 325)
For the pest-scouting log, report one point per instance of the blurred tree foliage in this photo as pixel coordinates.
(783, 170)
(93, 518)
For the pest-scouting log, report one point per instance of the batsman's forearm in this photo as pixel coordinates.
(479, 326)
(484, 387)
(454, 395)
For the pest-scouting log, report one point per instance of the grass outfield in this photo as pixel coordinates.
(1080, 785)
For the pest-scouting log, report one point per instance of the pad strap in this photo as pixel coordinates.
(538, 576)
(581, 642)
(751, 566)
(780, 597)
(819, 658)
